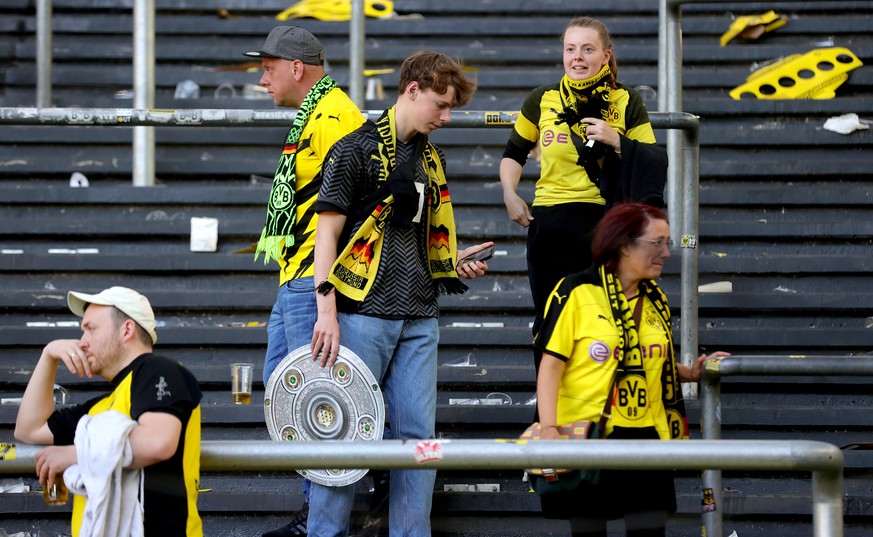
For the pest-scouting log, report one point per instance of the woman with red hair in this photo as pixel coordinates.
(606, 336)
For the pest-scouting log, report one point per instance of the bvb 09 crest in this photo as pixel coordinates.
(632, 398)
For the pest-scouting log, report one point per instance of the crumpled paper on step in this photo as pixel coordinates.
(846, 123)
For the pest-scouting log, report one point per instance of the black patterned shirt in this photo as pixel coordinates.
(403, 287)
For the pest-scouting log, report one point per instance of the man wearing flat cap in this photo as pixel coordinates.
(294, 76)
(154, 408)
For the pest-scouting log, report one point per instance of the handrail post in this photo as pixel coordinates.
(827, 503)
(143, 90)
(670, 99)
(710, 425)
(43, 53)
(688, 244)
(356, 54)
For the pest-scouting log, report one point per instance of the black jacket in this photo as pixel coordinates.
(639, 175)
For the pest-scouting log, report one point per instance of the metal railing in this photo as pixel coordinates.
(231, 117)
(823, 460)
(215, 117)
(710, 400)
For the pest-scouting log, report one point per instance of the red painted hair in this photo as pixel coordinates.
(620, 225)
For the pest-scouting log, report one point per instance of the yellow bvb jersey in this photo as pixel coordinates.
(334, 117)
(561, 179)
(580, 330)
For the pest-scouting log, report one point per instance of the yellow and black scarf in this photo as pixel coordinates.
(584, 98)
(356, 267)
(278, 232)
(629, 405)
(581, 99)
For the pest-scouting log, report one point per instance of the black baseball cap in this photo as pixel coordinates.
(291, 43)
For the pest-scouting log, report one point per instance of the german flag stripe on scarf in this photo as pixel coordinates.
(444, 194)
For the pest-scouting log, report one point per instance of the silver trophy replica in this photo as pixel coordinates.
(304, 401)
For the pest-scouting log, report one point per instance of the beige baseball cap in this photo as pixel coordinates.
(133, 304)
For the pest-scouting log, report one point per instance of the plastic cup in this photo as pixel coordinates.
(56, 494)
(241, 383)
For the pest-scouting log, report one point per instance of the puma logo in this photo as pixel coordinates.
(560, 298)
(336, 117)
(602, 317)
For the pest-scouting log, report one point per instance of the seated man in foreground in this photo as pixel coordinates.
(154, 408)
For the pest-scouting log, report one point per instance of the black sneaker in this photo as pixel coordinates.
(372, 526)
(295, 528)
(379, 493)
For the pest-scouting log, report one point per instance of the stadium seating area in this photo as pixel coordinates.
(784, 216)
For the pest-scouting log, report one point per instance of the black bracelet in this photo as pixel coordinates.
(324, 288)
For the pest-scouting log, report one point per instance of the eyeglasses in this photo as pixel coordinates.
(657, 243)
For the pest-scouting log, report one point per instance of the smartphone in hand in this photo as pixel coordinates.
(482, 255)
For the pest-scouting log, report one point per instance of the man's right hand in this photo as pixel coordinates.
(325, 340)
(71, 354)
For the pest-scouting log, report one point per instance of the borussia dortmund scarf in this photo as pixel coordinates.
(584, 98)
(278, 231)
(629, 402)
(356, 267)
(581, 99)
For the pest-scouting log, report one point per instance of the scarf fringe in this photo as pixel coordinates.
(450, 286)
(272, 246)
(584, 98)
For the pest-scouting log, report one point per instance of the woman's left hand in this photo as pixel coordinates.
(601, 131)
(692, 374)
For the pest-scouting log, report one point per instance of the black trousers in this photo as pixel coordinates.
(643, 498)
(558, 244)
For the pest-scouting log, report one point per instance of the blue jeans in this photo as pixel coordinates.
(291, 321)
(402, 354)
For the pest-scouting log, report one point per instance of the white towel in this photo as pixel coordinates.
(113, 493)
